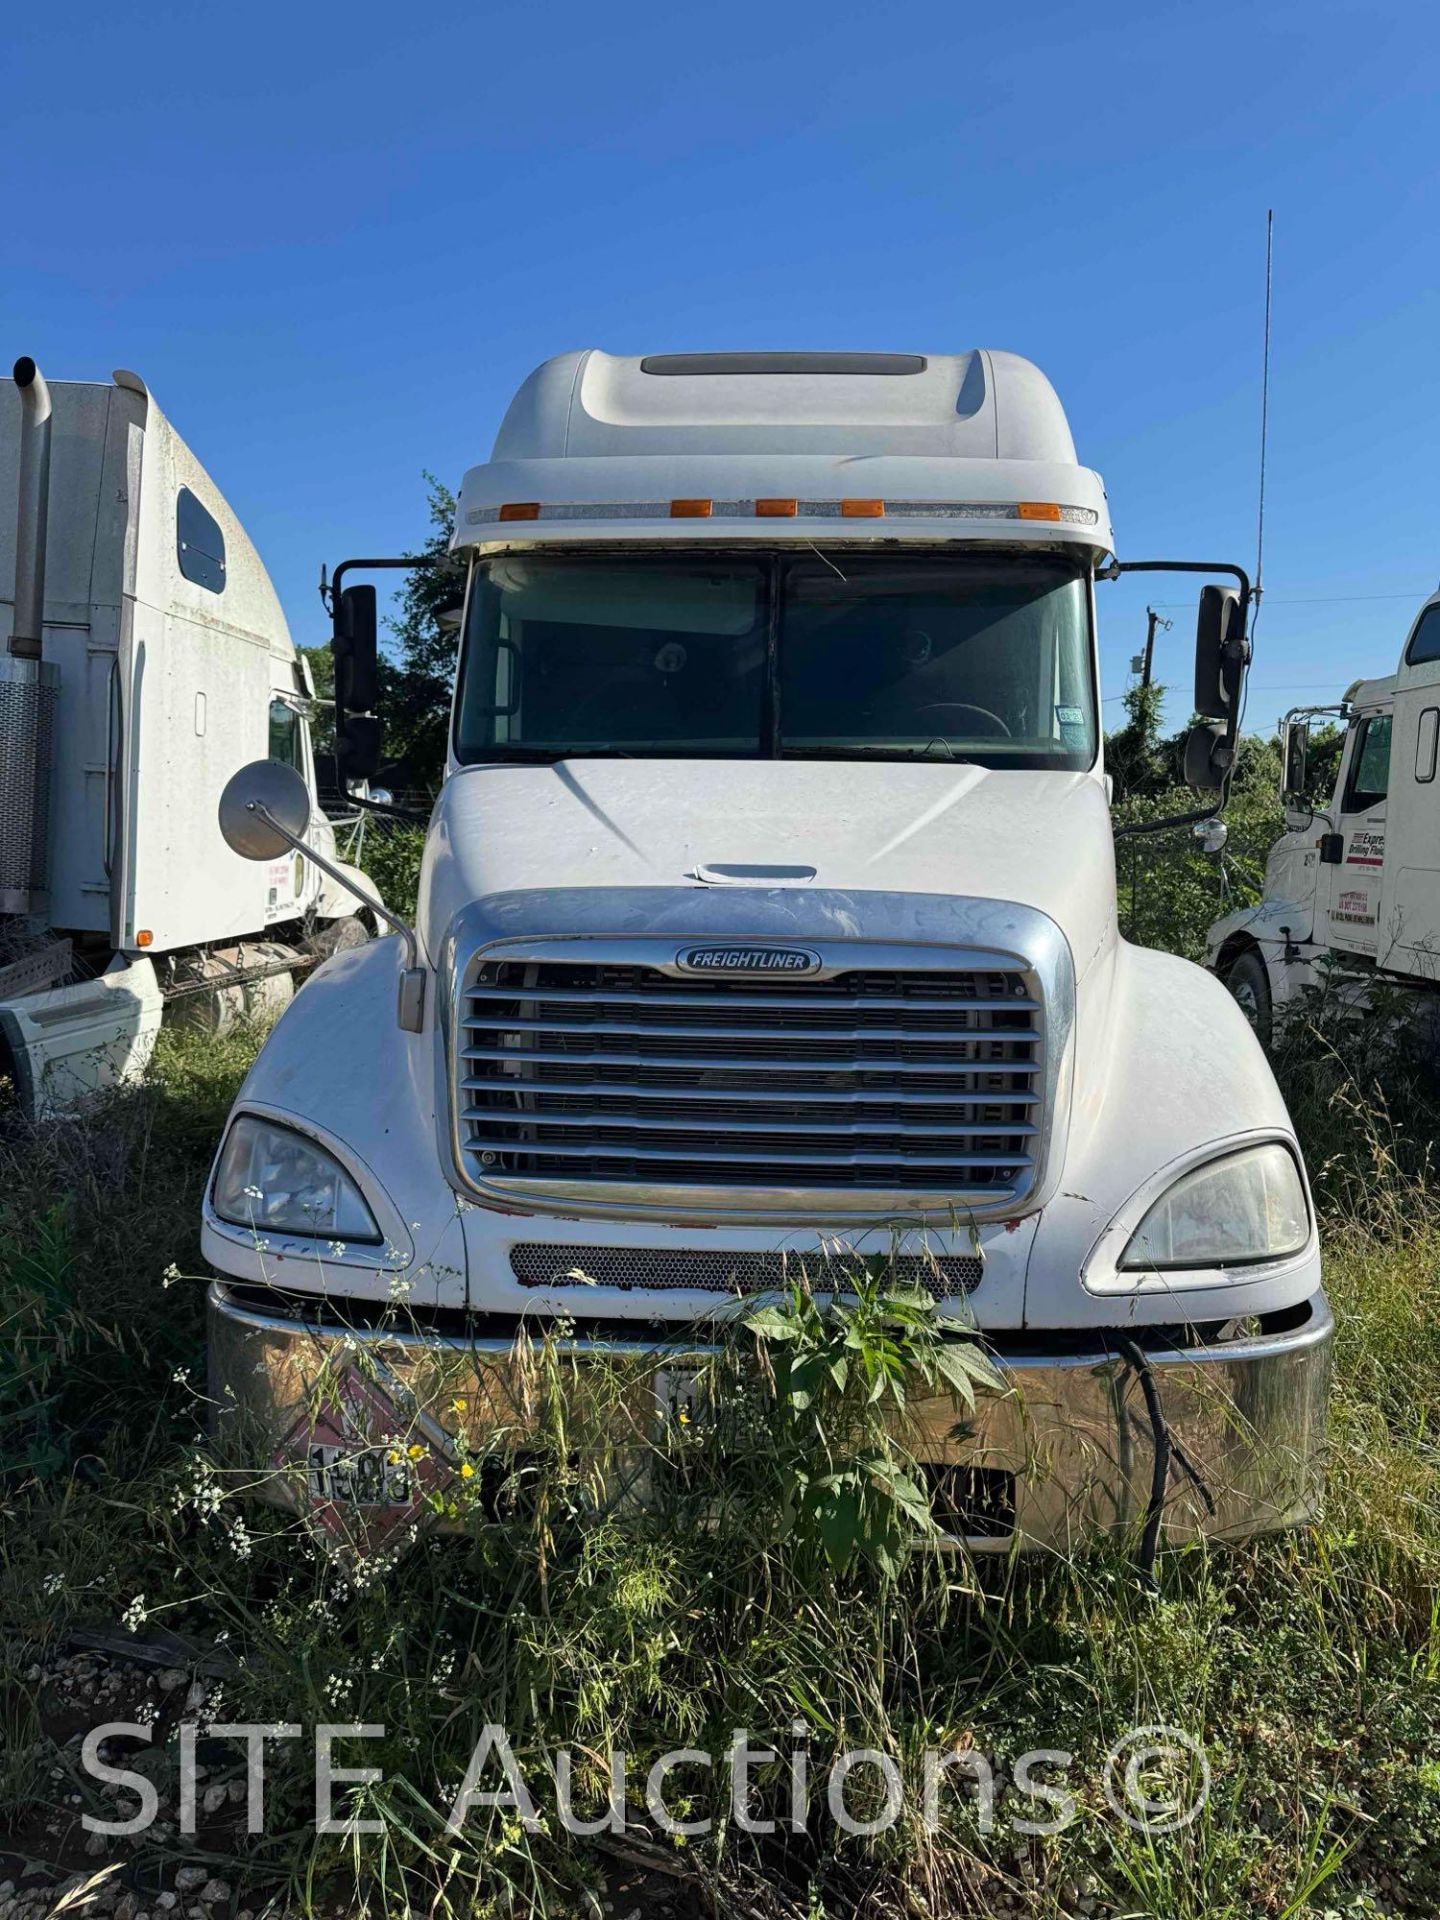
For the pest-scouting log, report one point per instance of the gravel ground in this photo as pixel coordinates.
(51, 1865)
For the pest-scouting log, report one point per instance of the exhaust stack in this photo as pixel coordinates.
(29, 684)
(32, 525)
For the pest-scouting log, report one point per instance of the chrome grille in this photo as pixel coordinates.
(670, 1270)
(878, 1082)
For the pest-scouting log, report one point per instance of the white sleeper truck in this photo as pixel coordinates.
(143, 659)
(768, 909)
(1357, 882)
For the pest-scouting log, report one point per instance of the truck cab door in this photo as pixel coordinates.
(289, 879)
(1410, 925)
(1356, 878)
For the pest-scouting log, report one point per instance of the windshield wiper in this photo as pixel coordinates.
(660, 750)
(545, 756)
(863, 752)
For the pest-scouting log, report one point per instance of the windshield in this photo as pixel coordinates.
(939, 656)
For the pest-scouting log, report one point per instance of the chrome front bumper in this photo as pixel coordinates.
(1066, 1454)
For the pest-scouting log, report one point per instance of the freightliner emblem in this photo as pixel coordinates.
(748, 960)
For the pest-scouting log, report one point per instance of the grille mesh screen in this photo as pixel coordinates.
(662, 1269)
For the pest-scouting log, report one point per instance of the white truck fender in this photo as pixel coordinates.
(1185, 1081)
(1222, 929)
(335, 902)
(338, 1067)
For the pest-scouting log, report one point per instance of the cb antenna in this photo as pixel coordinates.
(1264, 409)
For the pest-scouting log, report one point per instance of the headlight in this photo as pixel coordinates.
(1247, 1206)
(274, 1179)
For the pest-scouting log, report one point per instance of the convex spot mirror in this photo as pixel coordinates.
(1219, 652)
(282, 794)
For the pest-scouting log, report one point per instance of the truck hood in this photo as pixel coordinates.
(1040, 839)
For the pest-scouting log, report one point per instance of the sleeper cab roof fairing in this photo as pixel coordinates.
(1365, 694)
(712, 446)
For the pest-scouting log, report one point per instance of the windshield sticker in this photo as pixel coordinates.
(1071, 722)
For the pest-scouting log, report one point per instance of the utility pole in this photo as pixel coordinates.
(1155, 621)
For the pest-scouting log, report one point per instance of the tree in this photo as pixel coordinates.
(1139, 761)
(1170, 889)
(417, 671)
(417, 668)
(1322, 763)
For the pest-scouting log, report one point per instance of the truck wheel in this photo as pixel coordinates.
(337, 936)
(1248, 980)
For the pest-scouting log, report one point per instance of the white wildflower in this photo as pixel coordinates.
(134, 1615)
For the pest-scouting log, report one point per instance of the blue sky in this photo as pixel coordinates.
(333, 240)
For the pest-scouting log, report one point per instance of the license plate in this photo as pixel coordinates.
(366, 1477)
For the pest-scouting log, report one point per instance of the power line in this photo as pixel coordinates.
(1272, 686)
(1326, 599)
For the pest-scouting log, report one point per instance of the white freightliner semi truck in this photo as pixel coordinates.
(1358, 881)
(143, 659)
(769, 906)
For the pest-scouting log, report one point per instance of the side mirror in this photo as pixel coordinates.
(1294, 746)
(1219, 652)
(279, 790)
(1206, 757)
(359, 735)
(355, 650)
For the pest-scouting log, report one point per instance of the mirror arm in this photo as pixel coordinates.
(367, 566)
(413, 815)
(1114, 568)
(1175, 819)
(412, 980)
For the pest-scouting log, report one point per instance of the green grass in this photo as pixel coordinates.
(1308, 1665)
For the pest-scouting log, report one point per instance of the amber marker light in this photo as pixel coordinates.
(144, 937)
(775, 509)
(1038, 510)
(520, 510)
(690, 509)
(862, 509)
